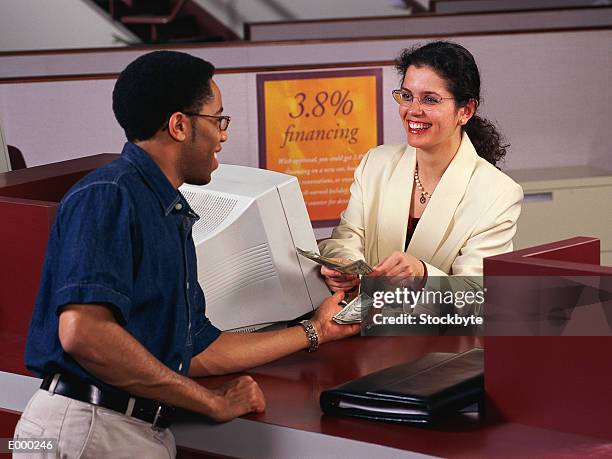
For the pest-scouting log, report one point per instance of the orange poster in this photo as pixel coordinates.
(317, 126)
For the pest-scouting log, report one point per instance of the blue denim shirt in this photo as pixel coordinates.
(122, 238)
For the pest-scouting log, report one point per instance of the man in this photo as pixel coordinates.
(119, 323)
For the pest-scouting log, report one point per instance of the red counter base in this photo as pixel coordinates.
(28, 202)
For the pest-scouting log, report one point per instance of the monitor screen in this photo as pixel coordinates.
(251, 221)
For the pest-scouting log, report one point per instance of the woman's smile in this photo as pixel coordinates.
(418, 127)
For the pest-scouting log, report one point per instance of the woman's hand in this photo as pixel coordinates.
(399, 264)
(337, 281)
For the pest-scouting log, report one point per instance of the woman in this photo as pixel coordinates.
(437, 206)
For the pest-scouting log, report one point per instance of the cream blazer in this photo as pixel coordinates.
(471, 215)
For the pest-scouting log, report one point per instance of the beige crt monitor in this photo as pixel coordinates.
(251, 221)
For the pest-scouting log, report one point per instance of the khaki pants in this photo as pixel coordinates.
(88, 431)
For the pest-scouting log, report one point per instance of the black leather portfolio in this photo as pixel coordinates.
(420, 392)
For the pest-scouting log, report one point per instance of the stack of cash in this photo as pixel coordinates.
(352, 312)
(358, 267)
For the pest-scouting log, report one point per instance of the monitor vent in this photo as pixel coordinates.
(245, 330)
(237, 271)
(212, 209)
(250, 328)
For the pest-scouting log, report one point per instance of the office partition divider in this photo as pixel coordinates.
(554, 382)
(28, 203)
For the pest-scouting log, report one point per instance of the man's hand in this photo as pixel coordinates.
(237, 397)
(91, 335)
(399, 264)
(326, 328)
(233, 352)
(337, 281)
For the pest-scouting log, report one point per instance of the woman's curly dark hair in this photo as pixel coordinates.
(457, 66)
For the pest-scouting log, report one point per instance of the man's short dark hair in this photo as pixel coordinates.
(156, 85)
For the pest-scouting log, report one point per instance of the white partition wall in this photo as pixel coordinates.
(428, 24)
(471, 6)
(549, 92)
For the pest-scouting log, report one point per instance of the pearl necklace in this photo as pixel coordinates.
(424, 194)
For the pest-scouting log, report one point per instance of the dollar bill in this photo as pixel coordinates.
(353, 312)
(358, 267)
